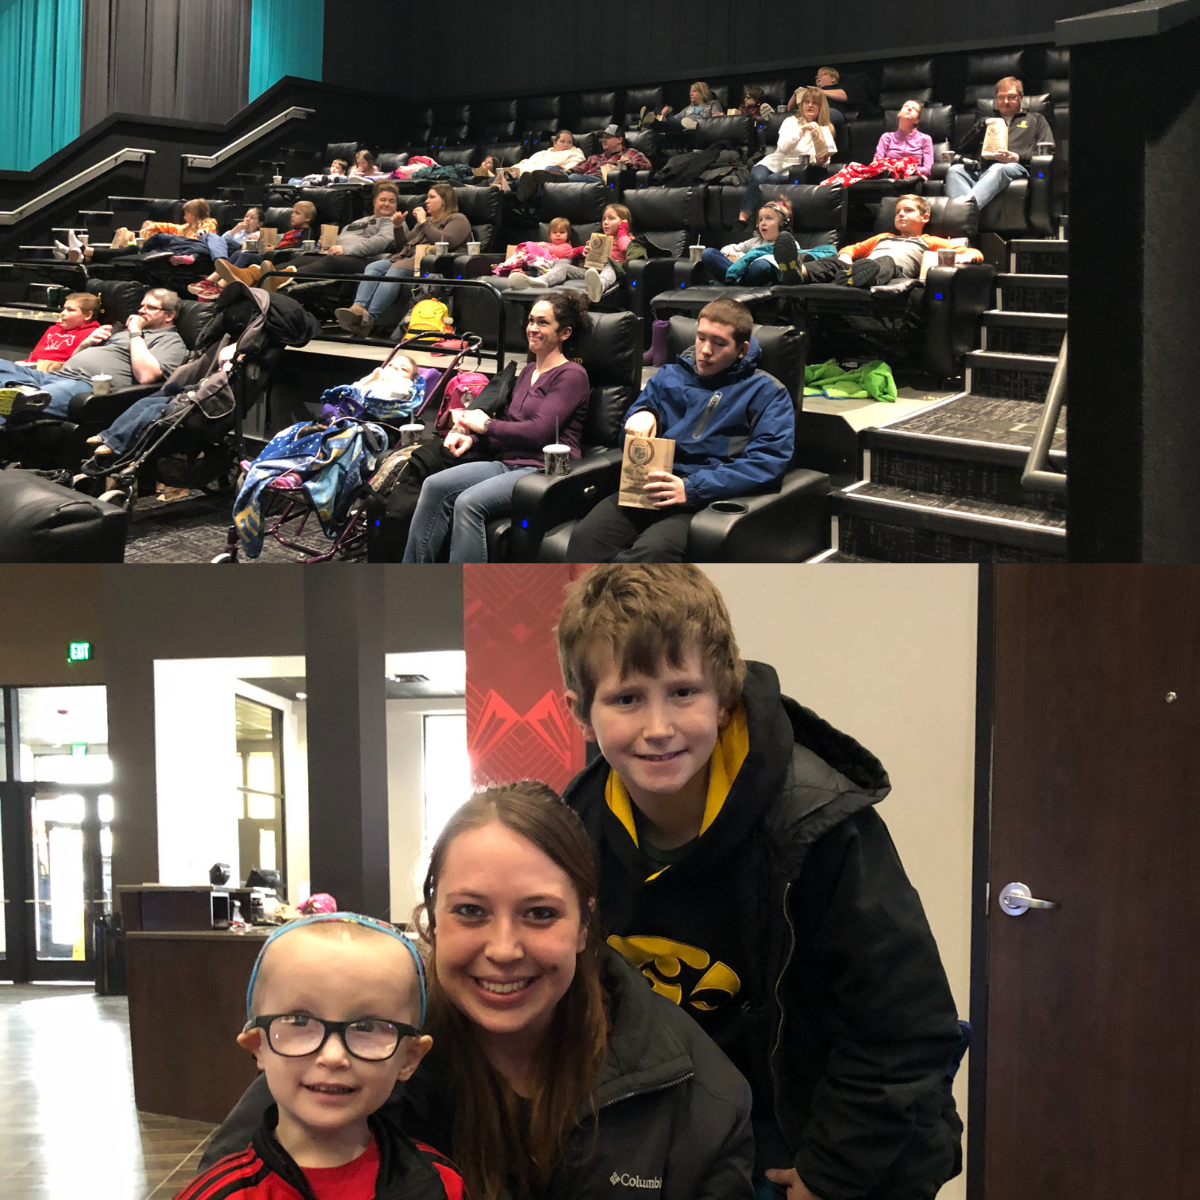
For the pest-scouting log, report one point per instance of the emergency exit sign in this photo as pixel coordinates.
(79, 652)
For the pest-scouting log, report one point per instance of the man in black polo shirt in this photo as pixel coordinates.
(985, 181)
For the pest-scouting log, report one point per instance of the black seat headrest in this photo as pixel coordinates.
(119, 299)
(535, 108)
(610, 352)
(650, 97)
(278, 218)
(480, 205)
(737, 131)
(165, 210)
(664, 208)
(390, 161)
(508, 153)
(582, 202)
(467, 156)
(909, 73)
(984, 71)
(598, 104)
(937, 120)
(342, 150)
(813, 207)
(782, 350)
(190, 319)
(643, 140)
(948, 218)
(775, 91)
(335, 206)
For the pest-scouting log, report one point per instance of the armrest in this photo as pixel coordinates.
(541, 502)
(789, 525)
(439, 264)
(475, 266)
(647, 277)
(1041, 188)
(955, 299)
(685, 273)
(99, 412)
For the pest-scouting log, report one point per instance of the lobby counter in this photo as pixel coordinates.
(187, 1004)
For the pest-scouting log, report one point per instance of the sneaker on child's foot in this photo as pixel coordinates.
(595, 285)
(519, 280)
(182, 260)
(788, 258)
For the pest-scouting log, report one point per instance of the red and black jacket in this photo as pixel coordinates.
(264, 1170)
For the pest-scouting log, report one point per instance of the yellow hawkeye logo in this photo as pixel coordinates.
(663, 961)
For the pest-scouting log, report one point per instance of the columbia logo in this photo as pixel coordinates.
(633, 1181)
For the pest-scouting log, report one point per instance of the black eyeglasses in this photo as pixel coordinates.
(297, 1035)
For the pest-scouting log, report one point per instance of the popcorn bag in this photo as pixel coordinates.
(643, 455)
(995, 137)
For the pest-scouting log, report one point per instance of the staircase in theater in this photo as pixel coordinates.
(945, 485)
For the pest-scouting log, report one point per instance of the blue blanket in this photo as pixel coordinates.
(334, 462)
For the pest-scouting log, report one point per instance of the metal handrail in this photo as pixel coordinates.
(432, 281)
(295, 113)
(128, 154)
(1037, 473)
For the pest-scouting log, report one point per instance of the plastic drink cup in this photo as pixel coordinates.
(558, 458)
(946, 258)
(276, 178)
(410, 435)
(695, 253)
(440, 248)
(473, 248)
(101, 385)
(309, 244)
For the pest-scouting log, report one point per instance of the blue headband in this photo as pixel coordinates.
(352, 919)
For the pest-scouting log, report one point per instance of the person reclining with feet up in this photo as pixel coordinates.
(701, 106)
(594, 281)
(358, 244)
(76, 323)
(160, 236)
(985, 180)
(613, 153)
(734, 428)
(755, 253)
(146, 350)
(245, 266)
(561, 155)
(879, 259)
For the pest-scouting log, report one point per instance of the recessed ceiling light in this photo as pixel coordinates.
(301, 695)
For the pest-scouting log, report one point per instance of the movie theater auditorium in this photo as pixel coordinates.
(359, 195)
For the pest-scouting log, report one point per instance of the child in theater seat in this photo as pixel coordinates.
(879, 259)
(532, 258)
(335, 1007)
(745, 872)
(60, 341)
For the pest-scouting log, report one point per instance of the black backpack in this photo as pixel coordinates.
(681, 170)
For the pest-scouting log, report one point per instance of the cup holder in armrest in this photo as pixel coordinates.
(734, 507)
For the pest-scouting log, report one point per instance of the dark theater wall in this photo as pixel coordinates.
(473, 47)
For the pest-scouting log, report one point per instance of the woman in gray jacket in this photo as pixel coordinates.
(556, 1072)
(360, 242)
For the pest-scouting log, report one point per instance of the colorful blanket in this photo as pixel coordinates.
(331, 462)
(898, 168)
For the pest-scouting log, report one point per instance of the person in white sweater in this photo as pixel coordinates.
(563, 153)
(797, 137)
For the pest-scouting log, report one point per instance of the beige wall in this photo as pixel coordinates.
(887, 654)
(45, 608)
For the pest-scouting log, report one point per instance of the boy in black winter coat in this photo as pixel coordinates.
(744, 870)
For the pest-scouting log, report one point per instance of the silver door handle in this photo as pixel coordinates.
(1016, 899)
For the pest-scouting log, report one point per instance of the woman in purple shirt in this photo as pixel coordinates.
(548, 404)
(908, 141)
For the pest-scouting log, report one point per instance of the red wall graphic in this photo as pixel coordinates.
(518, 725)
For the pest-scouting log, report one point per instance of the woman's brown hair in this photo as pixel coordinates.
(497, 1141)
(706, 93)
(448, 195)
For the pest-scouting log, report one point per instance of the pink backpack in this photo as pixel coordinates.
(460, 391)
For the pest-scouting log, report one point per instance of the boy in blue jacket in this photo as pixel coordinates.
(734, 429)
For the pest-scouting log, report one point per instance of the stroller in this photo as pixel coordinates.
(196, 441)
(325, 468)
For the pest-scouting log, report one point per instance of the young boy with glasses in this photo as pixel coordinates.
(335, 1008)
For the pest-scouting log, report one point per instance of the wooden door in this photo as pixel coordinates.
(1093, 1042)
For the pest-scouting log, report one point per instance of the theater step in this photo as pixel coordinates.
(1007, 375)
(230, 193)
(971, 447)
(1023, 333)
(99, 221)
(1031, 293)
(1038, 256)
(896, 524)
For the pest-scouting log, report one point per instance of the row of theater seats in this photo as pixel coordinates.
(499, 120)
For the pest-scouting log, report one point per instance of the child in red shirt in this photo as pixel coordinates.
(336, 1003)
(60, 341)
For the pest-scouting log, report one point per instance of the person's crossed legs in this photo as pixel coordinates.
(610, 533)
(960, 185)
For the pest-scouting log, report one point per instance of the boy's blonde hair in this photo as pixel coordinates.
(86, 301)
(307, 209)
(644, 615)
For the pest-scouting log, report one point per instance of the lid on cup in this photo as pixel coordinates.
(556, 448)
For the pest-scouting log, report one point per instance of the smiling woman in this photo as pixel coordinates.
(555, 1070)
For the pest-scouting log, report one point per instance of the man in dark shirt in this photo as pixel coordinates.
(1026, 130)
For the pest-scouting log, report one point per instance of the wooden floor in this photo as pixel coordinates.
(68, 1126)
